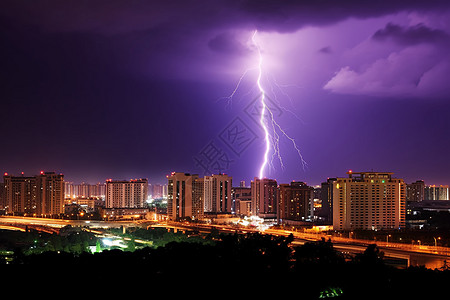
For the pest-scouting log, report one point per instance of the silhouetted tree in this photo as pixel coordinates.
(371, 256)
(317, 253)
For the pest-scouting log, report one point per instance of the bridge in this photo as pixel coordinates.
(30, 227)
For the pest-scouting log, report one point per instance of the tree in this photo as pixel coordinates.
(98, 247)
(131, 245)
(371, 256)
(317, 253)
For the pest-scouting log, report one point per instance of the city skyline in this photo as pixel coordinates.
(98, 92)
(247, 181)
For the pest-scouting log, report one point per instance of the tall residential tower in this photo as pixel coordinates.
(185, 196)
(295, 202)
(264, 197)
(38, 195)
(126, 193)
(368, 200)
(217, 193)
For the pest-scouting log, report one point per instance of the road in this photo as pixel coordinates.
(410, 255)
(429, 256)
(58, 223)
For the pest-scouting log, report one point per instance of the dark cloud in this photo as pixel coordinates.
(414, 35)
(325, 50)
(284, 16)
(227, 43)
(271, 15)
(105, 88)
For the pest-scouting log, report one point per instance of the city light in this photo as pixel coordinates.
(114, 242)
(216, 143)
(256, 222)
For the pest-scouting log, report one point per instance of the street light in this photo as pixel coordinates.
(435, 241)
(387, 238)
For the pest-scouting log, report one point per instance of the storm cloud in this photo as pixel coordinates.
(125, 83)
(413, 35)
(416, 68)
(118, 16)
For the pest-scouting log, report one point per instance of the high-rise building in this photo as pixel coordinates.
(84, 190)
(264, 197)
(217, 193)
(242, 200)
(157, 190)
(2, 196)
(42, 194)
(126, 193)
(433, 192)
(326, 196)
(198, 196)
(368, 200)
(50, 196)
(295, 202)
(20, 194)
(185, 196)
(415, 191)
(69, 189)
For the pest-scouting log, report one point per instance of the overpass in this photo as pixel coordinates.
(411, 255)
(26, 227)
(400, 255)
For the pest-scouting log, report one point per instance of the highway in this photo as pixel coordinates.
(429, 256)
(58, 223)
(411, 255)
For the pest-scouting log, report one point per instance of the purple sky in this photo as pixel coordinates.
(127, 89)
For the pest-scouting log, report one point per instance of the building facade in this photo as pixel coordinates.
(20, 194)
(415, 191)
(84, 190)
(37, 195)
(295, 202)
(217, 193)
(126, 193)
(264, 197)
(369, 200)
(50, 196)
(157, 190)
(326, 197)
(185, 196)
(242, 199)
(434, 192)
(198, 196)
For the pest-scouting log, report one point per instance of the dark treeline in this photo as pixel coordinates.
(313, 270)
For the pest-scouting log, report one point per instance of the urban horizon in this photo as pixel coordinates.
(163, 179)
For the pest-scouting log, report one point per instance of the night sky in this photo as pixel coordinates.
(130, 89)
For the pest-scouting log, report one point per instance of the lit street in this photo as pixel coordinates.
(430, 256)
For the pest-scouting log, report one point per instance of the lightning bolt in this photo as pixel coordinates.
(272, 130)
(264, 108)
(230, 97)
